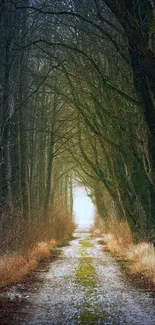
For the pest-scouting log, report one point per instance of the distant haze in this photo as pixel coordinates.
(83, 207)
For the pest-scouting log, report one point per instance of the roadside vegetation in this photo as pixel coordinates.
(18, 260)
(137, 257)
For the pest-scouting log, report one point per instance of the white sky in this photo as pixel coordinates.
(83, 207)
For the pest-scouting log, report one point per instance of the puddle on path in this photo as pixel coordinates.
(56, 297)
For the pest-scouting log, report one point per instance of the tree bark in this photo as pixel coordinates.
(143, 65)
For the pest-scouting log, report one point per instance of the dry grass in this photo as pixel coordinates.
(63, 223)
(142, 256)
(24, 245)
(119, 240)
(14, 266)
(143, 260)
(19, 234)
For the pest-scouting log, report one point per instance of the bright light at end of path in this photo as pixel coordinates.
(83, 207)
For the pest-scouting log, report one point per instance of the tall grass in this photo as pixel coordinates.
(143, 260)
(15, 265)
(24, 244)
(118, 239)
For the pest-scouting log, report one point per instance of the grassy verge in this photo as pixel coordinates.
(136, 259)
(14, 266)
(23, 245)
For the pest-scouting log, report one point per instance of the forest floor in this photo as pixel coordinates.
(83, 284)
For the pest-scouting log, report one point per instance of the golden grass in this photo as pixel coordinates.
(13, 267)
(24, 245)
(142, 256)
(119, 240)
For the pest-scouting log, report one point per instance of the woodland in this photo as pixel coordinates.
(77, 102)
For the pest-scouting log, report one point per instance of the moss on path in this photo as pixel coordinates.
(85, 275)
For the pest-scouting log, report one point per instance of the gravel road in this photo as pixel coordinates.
(58, 297)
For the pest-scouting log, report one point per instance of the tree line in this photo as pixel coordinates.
(77, 100)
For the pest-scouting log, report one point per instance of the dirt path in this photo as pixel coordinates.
(84, 285)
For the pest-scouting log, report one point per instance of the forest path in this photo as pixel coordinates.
(84, 285)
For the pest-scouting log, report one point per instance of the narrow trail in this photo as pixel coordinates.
(84, 285)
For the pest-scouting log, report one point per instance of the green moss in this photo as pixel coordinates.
(85, 243)
(92, 291)
(86, 318)
(89, 318)
(85, 270)
(85, 274)
(87, 282)
(87, 305)
(82, 251)
(85, 259)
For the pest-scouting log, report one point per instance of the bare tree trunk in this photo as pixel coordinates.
(49, 175)
(71, 194)
(22, 138)
(50, 159)
(5, 113)
(9, 175)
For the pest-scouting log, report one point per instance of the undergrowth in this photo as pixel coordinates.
(24, 245)
(13, 267)
(139, 258)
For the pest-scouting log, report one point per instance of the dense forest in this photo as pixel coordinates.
(77, 102)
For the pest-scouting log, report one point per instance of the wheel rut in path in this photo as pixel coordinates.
(84, 285)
